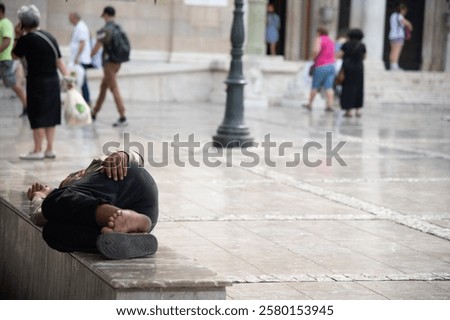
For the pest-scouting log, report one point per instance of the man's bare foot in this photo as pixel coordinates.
(128, 221)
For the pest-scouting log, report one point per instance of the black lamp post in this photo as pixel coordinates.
(233, 132)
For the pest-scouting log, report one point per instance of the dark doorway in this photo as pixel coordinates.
(280, 8)
(411, 57)
(344, 16)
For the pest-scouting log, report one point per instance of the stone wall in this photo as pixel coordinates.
(168, 26)
(174, 30)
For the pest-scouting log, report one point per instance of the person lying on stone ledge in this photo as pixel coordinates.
(110, 207)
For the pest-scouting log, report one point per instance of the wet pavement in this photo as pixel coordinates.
(335, 208)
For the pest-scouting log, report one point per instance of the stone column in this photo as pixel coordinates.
(294, 23)
(369, 16)
(256, 26)
(434, 36)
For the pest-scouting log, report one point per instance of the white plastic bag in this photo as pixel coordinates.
(307, 79)
(76, 111)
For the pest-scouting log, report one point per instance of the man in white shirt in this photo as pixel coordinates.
(80, 48)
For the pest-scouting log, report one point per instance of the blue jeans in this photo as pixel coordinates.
(7, 74)
(84, 87)
(323, 77)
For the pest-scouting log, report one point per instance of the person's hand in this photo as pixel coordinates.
(115, 166)
(69, 81)
(18, 30)
(38, 189)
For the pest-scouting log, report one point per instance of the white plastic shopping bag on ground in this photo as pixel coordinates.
(76, 111)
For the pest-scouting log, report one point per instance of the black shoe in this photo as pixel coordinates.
(24, 113)
(122, 122)
(117, 246)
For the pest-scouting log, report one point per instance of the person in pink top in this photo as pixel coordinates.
(324, 73)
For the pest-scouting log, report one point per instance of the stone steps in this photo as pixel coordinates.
(269, 82)
(414, 87)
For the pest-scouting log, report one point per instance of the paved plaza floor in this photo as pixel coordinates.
(336, 208)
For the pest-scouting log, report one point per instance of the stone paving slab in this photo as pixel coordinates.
(375, 229)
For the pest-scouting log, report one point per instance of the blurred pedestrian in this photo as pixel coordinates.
(272, 29)
(43, 58)
(400, 27)
(7, 70)
(353, 52)
(323, 75)
(110, 67)
(80, 49)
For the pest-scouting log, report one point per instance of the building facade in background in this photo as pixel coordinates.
(180, 30)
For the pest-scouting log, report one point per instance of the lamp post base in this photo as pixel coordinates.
(232, 137)
(232, 142)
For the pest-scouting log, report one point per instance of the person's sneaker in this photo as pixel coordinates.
(307, 106)
(117, 246)
(49, 155)
(122, 122)
(32, 156)
(24, 113)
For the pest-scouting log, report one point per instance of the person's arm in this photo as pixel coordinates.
(5, 43)
(115, 166)
(6, 37)
(339, 54)
(62, 67)
(316, 48)
(36, 215)
(36, 194)
(407, 24)
(18, 31)
(97, 46)
(69, 80)
(135, 157)
(80, 50)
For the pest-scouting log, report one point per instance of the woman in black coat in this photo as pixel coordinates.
(353, 52)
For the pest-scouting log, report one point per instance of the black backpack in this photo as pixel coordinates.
(119, 46)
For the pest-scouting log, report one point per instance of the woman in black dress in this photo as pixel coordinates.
(43, 59)
(353, 52)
